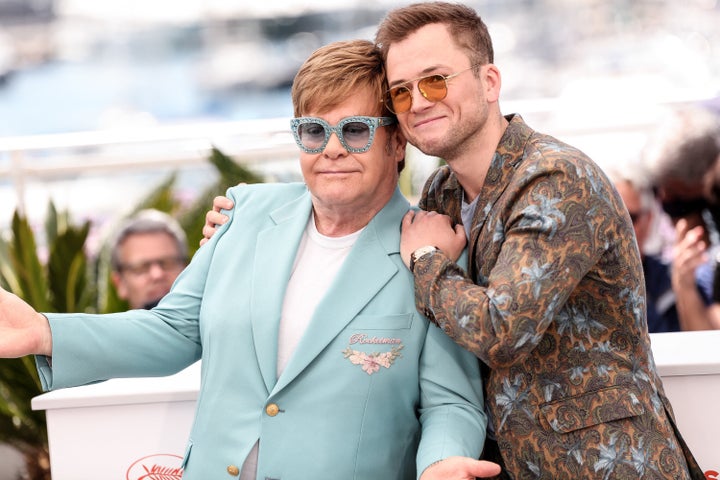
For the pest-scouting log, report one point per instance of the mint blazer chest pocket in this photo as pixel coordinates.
(383, 322)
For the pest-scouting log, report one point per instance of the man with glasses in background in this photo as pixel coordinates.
(148, 253)
(315, 362)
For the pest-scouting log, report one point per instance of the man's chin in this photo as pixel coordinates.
(151, 303)
(431, 148)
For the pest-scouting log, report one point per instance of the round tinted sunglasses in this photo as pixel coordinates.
(432, 87)
(355, 133)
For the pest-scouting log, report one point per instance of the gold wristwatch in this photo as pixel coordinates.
(422, 251)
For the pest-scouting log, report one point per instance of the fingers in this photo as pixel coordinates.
(485, 469)
(408, 218)
(460, 468)
(213, 219)
(208, 231)
(689, 253)
(222, 203)
(460, 231)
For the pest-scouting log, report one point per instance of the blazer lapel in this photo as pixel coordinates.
(274, 257)
(366, 270)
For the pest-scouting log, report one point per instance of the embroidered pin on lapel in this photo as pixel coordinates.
(371, 362)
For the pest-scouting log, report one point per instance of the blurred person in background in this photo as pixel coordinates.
(148, 253)
(680, 156)
(638, 197)
(712, 191)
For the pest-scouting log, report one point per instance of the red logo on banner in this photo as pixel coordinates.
(156, 467)
(712, 475)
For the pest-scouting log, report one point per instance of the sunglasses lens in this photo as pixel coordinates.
(400, 99)
(433, 87)
(356, 134)
(312, 135)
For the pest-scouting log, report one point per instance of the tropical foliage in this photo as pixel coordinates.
(67, 279)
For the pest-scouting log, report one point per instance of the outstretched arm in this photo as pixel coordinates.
(23, 331)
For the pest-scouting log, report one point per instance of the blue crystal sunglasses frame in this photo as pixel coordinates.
(347, 127)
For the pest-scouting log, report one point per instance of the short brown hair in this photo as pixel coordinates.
(335, 72)
(465, 25)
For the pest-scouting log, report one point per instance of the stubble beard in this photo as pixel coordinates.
(449, 146)
(458, 137)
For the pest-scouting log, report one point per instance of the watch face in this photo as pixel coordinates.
(419, 253)
(423, 250)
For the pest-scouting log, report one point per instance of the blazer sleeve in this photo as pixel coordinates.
(88, 348)
(451, 407)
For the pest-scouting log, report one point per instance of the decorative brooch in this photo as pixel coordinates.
(371, 362)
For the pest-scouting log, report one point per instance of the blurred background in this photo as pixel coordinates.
(100, 100)
(107, 106)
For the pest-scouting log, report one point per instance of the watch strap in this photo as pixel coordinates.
(420, 252)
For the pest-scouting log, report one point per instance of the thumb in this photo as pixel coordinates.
(484, 469)
(408, 218)
(460, 235)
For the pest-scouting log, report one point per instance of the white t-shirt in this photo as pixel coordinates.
(316, 264)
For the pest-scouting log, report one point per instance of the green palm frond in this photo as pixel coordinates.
(67, 271)
(23, 253)
(67, 279)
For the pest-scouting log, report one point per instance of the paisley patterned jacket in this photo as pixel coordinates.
(553, 303)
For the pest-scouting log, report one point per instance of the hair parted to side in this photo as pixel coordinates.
(336, 72)
(148, 221)
(465, 26)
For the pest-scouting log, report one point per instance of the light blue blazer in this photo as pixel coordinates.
(374, 391)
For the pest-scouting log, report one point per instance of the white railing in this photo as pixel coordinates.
(97, 175)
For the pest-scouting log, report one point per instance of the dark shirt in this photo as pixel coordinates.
(662, 313)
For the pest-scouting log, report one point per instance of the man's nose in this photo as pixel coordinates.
(334, 146)
(156, 270)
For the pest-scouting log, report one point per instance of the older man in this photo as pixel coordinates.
(315, 362)
(148, 253)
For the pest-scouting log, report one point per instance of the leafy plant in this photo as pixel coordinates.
(69, 280)
(56, 286)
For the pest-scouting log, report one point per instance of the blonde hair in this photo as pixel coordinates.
(336, 72)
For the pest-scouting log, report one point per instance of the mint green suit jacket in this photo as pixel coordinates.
(373, 391)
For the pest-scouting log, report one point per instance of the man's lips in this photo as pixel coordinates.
(426, 121)
(336, 172)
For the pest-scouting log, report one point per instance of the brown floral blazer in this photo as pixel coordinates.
(553, 304)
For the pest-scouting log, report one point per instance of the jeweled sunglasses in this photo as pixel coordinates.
(433, 87)
(355, 133)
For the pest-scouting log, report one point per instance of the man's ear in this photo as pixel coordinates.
(491, 82)
(399, 143)
(117, 281)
